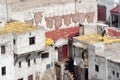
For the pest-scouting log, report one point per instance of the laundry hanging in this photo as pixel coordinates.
(49, 22)
(58, 21)
(67, 19)
(38, 17)
(75, 17)
(90, 16)
(81, 18)
(29, 21)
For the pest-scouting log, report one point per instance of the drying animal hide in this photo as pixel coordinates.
(58, 21)
(29, 21)
(38, 17)
(81, 17)
(75, 17)
(67, 19)
(90, 16)
(49, 22)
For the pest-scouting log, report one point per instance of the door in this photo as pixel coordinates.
(101, 13)
(65, 51)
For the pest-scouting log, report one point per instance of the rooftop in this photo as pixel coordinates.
(92, 39)
(17, 28)
(112, 53)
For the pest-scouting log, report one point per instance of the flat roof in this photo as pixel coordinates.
(112, 53)
(95, 38)
(17, 28)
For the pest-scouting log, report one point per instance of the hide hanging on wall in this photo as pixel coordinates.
(49, 22)
(81, 18)
(38, 17)
(90, 16)
(58, 21)
(75, 17)
(67, 19)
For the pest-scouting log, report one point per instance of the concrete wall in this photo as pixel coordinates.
(96, 60)
(20, 12)
(22, 41)
(112, 66)
(35, 68)
(7, 58)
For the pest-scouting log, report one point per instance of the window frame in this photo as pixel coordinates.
(31, 40)
(3, 70)
(96, 68)
(3, 50)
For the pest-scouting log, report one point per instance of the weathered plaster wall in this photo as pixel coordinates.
(22, 41)
(35, 68)
(7, 58)
(96, 60)
(53, 8)
(113, 70)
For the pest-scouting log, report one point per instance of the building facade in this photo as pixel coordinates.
(24, 55)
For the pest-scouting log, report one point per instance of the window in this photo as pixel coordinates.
(3, 49)
(97, 68)
(31, 40)
(3, 70)
(44, 55)
(28, 63)
(14, 41)
(19, 64)
(20, 79)
(113, 72)
(34, 60)
(118, 75)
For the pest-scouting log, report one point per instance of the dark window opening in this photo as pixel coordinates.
(19, 64)
(34, 60)
(113, 72)
(3, 70)
(31, 40)
(20, 79)
(44, 55)
(117, 74)
(28, 63)
(97, 68)
(14, 41)
(3, 49)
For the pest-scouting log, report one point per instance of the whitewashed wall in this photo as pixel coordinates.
(95, 60)
(7, 58)
(59, 9)
(22, 41)
(113, 66)
(38, 67)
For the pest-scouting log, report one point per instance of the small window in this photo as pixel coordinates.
(19, 64)
(3, 49)
(3, 70)
(118, 75)
(28, 63)
(14, 41)
(97, 68)
(20, 79)
(34, 60)
(31, 40)
(44, 55)
(113, 72)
